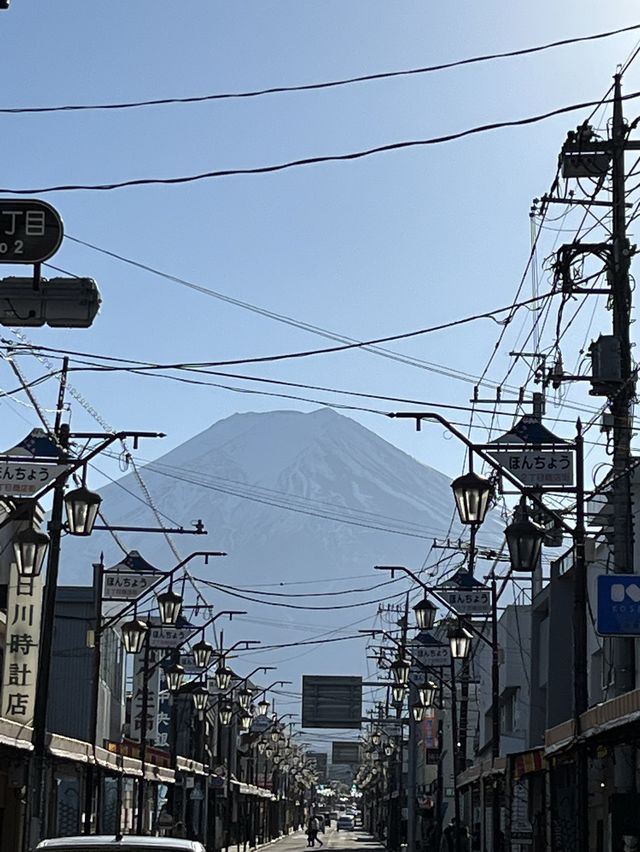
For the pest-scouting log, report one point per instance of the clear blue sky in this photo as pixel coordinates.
(375, 247)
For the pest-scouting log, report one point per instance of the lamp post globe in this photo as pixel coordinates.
(263, 707)
(225, 713)
(175, 676)
(170, 605)
(425, 614)
(134, 633)
(524, 539)
(472, 494)
(202, 653)
(82, 507)
(201, 698)
(459, 642)
(400, 670)
(30, 547)
(223, 678)
(427, 693)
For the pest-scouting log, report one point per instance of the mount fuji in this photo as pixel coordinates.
(304, 504)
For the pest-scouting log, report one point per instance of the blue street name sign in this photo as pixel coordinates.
(618, 605)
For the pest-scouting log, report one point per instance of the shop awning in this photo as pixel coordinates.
(189, 766)
(483, 769)
(14, 735)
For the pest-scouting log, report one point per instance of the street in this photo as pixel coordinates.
(337, 841)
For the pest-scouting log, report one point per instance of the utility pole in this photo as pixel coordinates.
(623, 648)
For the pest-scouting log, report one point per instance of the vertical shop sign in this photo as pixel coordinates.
(24, 611)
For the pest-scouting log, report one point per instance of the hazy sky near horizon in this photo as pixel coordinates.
(374, 247)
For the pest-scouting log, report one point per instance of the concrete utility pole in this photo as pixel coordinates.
(623, 648)
(614, 377)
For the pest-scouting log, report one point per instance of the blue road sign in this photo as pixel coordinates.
(618, 605)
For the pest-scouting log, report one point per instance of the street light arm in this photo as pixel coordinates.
(418, 416)
(165, 575)
(71, 466)
(271, 685)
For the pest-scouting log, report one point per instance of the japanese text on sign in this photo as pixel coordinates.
(538, 467)
(24, 479)
(24, 606)
(30, 231)
(124, 585)
(469, 601)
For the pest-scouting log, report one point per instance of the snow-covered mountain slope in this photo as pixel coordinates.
(291, 497)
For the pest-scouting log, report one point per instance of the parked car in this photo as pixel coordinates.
(345, 823)
(124, 843)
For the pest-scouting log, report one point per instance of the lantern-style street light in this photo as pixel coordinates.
(82, 507)
(223, 677)
(524, 539)
(263, 707)
(425, 614)
(427, 693)
(472, 495)
(225, 713)
(30, 547)
(418, 710)
(459, 642)
(244, 698)
(170, 605)
(134, 633)
(399, 693)
(201, 698)
(175, 677)
(245, 721)
(400, 670)
(202, 652)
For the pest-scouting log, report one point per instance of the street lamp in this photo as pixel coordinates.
(201, 698)
(225, 713)
(472, 495)
(29, 547)
(223, 677)
(175, 676)
(399, 693)
(245, 721)
(202, 652)
(133, 635)
(524, 538)
(244, 698)
(169, 604)
(418, 711)
(425, 614)
(263, 707)
(376, 736)
(400, 669)
(459, 642)
(427, 693)
(262, 746)
(268, 752)
(82, 507)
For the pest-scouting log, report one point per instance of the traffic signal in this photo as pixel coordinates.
(57, 302)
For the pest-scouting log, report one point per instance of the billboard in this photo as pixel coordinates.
(346, 752)
(331, 701)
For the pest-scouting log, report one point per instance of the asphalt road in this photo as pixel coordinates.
(335, 841)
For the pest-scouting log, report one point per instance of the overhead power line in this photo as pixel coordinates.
(330, 84)
(312, 161)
